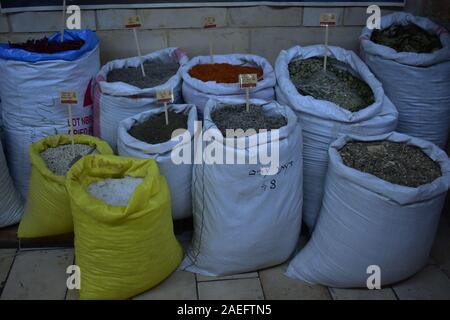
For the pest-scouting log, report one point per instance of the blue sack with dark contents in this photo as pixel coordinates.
(88, 36)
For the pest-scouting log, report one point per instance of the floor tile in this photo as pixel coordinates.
(239, 289)
(362, 294)
(39, 274)
(6, 260)
(181, 285)
(430, 283)
(247, 275)
(277, 286)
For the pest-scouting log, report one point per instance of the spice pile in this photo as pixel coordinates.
(336, 84)
(222, 72)
(156, 73)
(115, 192)
(394, 162)
(154, 130)
(45, 46)
(407, 38)
(237, 117)
(59, 159)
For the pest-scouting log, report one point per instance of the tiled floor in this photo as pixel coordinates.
(40, 274)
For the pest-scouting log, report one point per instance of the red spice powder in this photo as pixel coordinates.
(45, 46)
(222, 72)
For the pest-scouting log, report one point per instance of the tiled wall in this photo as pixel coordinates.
(260, 30)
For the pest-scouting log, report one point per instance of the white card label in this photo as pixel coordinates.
(133, 22)
(328, 19)
(68, 97)
(248, 80)
(164, 96)
(209, 22)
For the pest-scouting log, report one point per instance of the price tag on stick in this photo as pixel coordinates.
(247, 81)
(327, 19)
(134, 22)
(69, 98)
(165, 96)
(210, 23)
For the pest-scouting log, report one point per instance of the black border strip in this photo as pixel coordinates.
(10, 6)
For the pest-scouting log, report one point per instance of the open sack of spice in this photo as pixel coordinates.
(204, 78)
(344, 99)
(246, 217)
(146, 135)
(411, 57)
(47, 211)
(124, 239)
(383, 199)
(33, 74)
(122, 91)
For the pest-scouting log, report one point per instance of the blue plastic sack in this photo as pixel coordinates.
(90, 42)
(417, 83)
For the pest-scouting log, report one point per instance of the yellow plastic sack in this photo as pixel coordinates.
(121, 250)
(47, 211)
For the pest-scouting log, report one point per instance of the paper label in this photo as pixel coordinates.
(248, 80)
(133, 22)
(328, 19)
(164, 96)
(209, 22)
(68, 97)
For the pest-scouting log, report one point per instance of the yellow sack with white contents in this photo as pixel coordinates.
(47, 210)
(121, 250)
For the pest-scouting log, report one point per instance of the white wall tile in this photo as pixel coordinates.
(311, 15)
(262, 16)
(180, 18)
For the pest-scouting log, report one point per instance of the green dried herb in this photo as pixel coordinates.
(407, 38)
(336, 84)
(396, 162)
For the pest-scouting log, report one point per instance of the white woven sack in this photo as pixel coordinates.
(417, 83)
(178, 176)
(31, 105)
(11, 203)
(366, 221)
(116, 101)
(245, 220)
(323, 121)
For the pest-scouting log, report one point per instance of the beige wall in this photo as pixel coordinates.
(260, 30)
